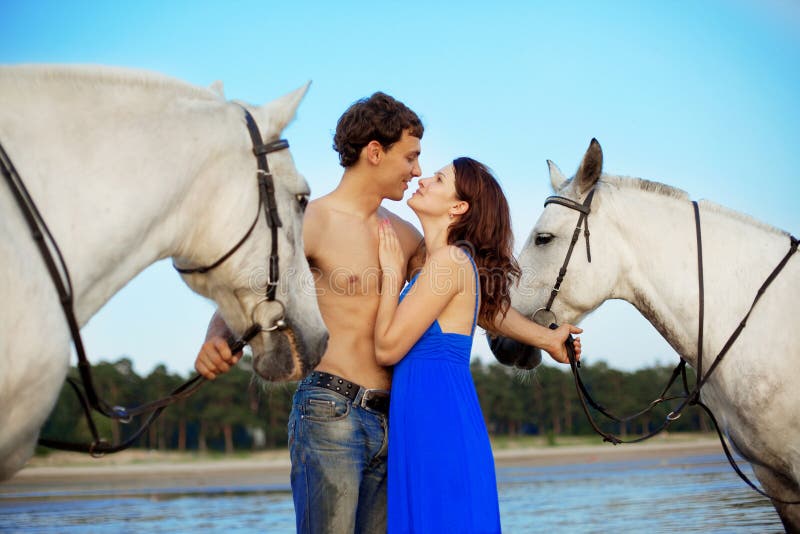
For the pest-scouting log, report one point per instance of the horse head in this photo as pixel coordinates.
(547, 247)
(293, 335)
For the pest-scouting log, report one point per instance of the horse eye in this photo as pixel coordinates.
(302, 199)
(543, 239)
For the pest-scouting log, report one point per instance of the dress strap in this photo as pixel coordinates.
(477, 292)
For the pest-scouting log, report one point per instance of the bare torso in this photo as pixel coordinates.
(342, 250)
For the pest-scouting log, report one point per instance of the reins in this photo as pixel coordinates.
(688, 398)
(59, 274)
(99, 446)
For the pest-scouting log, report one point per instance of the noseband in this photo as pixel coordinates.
(266, 199)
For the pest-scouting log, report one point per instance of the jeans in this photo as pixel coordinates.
(339, 451)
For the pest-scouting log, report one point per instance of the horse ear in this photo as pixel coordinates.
(281, 111)
(557, 177)
(591, 167)
(218, 88)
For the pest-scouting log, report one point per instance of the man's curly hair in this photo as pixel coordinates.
(379, 117)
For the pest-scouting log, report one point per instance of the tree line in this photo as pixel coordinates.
(237, 412)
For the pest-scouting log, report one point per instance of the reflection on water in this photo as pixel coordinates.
(690, 494)
(262, 512)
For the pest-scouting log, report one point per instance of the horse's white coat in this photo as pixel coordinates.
(128, 168)
(644, 251)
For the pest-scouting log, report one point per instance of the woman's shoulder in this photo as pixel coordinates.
(449, 261)
(446, 254)
(451, 254)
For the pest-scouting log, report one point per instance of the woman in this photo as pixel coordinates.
(441, 471)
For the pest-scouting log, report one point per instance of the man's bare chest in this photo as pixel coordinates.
(347, 262)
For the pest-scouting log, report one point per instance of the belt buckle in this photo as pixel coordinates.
(369, 394)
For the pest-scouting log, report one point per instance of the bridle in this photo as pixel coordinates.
(266, 199)
(546, 317)
(59, 274)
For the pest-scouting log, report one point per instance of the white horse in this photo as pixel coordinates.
(643, 250)
(128, 168)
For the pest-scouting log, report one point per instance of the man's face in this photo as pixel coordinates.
(398, 166)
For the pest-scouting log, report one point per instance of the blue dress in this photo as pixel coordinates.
(441, 469)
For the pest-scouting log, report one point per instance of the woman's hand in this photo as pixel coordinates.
(557, 350)
(390, 253)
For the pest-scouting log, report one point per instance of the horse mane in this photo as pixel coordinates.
(114, 76)
(646, 186)
(728, 212)
(679, 194)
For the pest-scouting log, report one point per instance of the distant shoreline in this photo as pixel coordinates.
(602, 452)
(64, 475)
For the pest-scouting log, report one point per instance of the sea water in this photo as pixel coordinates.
(685, 494)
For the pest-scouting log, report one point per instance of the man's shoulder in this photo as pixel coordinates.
(319, 204)
(318, 212)
(386, 213)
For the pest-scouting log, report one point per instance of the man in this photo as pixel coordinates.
(338, 437)
(338, 428)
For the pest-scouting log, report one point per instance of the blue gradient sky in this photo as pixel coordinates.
(701, 95)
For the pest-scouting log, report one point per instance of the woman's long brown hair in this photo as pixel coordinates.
(485, 229)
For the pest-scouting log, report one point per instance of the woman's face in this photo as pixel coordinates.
(437, 194)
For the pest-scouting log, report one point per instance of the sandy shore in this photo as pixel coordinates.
(137, 472)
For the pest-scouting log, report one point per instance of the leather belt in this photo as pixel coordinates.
(373, 399)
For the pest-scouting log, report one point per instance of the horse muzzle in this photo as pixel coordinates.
(284, 354)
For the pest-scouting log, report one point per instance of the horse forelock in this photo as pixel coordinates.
(103, 76)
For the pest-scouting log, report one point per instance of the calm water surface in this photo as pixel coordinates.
(689, 494)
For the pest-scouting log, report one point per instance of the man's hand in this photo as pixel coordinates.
(215, 355)
(215, 358)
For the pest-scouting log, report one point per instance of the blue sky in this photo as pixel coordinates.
(701, 95)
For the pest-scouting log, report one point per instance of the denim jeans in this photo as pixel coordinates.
(338, 450)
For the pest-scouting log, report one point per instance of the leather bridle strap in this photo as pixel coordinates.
(701, 290)
(59, 274)
(693, 397)
(266, 186)
(583, 222)
(266, 198)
